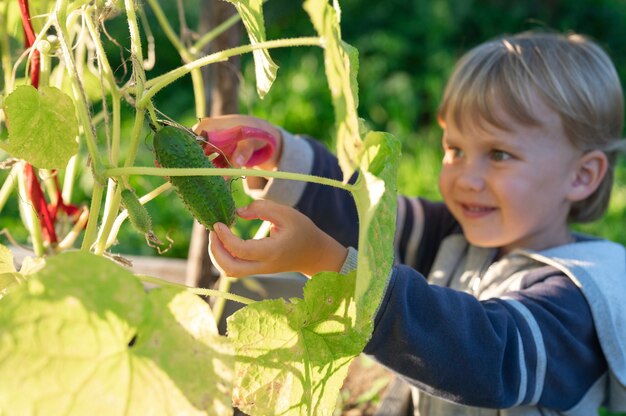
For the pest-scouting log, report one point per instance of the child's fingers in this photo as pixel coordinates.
(219, 123)
(231, 265)
(220, 257)
(250, 250)
(265, 210)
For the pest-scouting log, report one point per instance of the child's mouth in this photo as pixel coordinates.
(476, 211)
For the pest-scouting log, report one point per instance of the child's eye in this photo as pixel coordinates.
(500, 155)
(453, 153)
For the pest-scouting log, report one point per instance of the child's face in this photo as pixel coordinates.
(509, 189)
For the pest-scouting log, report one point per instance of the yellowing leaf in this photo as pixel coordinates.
(375, 198)
(8, 275)
(292, 357)
(6, 260)
(42, 126)
(341, 62)
(81, 336)
(251, 12)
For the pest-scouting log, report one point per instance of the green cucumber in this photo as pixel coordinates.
(207, 198)
(137, 213)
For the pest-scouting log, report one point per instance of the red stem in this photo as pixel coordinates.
(29, 41)
(33, 186)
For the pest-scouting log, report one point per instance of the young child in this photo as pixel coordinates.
(494, 307)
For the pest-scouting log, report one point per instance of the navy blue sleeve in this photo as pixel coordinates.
(537, 346)
(421, 227)
(332, 209)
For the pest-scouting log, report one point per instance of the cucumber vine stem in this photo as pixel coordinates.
(114, 90)
(8, 185)
(94, 212)
(149, 171)
(157, 84)
(185, 54)
(111, 206)
(58, 18)
(167, 29)
(5, 49)
(32, 219)
(196, 290)
(215, 32)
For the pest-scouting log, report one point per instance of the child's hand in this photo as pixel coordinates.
(245, 141)
(295, 244)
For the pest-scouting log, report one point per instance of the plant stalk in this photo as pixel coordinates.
(149, 171)
(218, 30)
(8, 185)
(81, 102)
(5, 49)
(34, 225)
(94, 213)
(196, 290)
(157, 84)
(111, 207)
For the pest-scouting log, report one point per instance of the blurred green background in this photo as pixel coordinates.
(407, 49)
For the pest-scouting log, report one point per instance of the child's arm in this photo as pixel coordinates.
(535, 346)
(295, 243)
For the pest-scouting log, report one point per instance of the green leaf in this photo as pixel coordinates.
(251, 12)
(375, 197)
(42, 126)
(341, 63)
(292, 357)
(81, 336)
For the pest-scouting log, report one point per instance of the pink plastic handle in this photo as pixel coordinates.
(225, 142)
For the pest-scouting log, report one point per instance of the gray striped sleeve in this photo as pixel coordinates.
(540, 370)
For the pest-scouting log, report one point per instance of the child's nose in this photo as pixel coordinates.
(472, 178)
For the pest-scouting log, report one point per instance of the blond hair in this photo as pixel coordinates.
(570, 73)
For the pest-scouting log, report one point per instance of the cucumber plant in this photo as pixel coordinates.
(103, 344)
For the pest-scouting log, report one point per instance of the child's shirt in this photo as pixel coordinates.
(471, 332)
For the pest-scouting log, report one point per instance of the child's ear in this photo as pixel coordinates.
(591, 168)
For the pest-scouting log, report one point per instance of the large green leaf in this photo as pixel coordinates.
(341, 63)
(292, 357)
(376, 200)
(42, 126)
(251, 12)
(81, 336)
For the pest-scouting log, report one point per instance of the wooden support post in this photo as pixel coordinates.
(222, 97)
